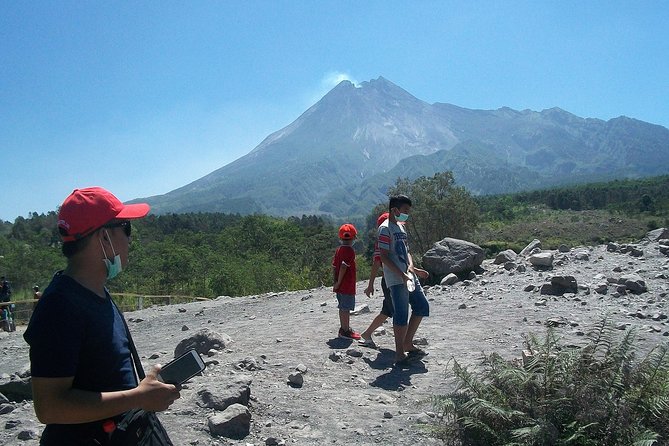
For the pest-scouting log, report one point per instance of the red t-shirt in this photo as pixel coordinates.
(345, 254)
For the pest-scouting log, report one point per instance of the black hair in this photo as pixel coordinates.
(69, 249)
(397, 201)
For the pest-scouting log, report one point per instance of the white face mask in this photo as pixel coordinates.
(114, 267)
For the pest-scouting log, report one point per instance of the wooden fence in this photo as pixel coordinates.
(23, 309)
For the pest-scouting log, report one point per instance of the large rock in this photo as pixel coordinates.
(16, 389)
(634, 283)
(543, 259)
(560, 285)
(534, 244)
(657, 234)
(219, 395)
(234, 422)
(505, 256)
(203, 341)
(452, 255)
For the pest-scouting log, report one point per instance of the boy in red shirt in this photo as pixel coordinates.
(343, 265)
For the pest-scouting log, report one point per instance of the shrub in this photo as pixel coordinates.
(592, 395)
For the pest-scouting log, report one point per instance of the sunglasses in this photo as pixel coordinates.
(123, 224)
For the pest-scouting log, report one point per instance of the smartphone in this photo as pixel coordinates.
(182, 368)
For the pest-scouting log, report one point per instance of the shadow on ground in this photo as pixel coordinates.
(339, 343)
(398, 377)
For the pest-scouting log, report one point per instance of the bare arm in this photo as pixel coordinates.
(372, 275)
(342, 271)
(57, 402)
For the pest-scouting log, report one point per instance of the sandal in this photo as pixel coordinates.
(367, 342)
(417, 353)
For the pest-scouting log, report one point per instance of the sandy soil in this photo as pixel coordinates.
(363, 400)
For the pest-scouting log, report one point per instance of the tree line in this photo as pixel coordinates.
(213, 254)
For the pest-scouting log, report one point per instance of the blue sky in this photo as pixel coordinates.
(145, 97)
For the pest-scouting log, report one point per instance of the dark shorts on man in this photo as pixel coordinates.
(387, 308)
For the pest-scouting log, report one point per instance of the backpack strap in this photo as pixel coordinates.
(133, 350)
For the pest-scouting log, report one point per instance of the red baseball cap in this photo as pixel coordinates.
(383, 217)
(88, 209)
(347, 231)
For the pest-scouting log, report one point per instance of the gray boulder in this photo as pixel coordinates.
(534, 244)
(634, 283)
(543, 259)
(450, 279)
(657, 234)
(16, 389)
(234, 422)
(219, 396)
(452, 255)
(203, 341)
(566, 284)
(505, 256)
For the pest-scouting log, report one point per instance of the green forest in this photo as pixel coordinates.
(212, 254)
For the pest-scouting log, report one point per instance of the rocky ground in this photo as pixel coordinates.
(351, 394)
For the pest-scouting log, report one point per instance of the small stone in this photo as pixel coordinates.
(387, 415)
(462, 306)
(11, 424)
(27, 435)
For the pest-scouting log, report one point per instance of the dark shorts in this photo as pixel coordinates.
(346, 301)
(387, 308)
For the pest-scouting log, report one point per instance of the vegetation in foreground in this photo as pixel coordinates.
(598, 394)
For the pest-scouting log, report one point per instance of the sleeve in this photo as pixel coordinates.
(384, 238)
(55, 336)
(349, 257)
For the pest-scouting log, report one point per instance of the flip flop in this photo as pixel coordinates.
(417, 353)
(367, 343)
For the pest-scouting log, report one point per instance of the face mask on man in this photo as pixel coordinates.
(114, 267)
(402, 217)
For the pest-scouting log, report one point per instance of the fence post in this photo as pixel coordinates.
(140, 302)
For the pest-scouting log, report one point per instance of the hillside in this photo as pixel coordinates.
(340, 156)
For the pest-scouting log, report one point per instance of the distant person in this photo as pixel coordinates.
(343, 265)
(398, 272)
(5, 290)
(81, 364)
(5, 310)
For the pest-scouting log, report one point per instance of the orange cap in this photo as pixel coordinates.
(347, 231)
(383, 217)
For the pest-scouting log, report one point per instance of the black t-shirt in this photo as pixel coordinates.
(75, 332)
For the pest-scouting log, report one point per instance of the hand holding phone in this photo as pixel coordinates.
(182, 368)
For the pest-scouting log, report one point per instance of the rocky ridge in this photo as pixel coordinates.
(277, 374)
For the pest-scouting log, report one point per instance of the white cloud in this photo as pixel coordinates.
(327, 83)
(332, 79)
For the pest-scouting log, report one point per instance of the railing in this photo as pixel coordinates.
(23, 309)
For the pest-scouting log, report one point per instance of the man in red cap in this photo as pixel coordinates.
(81, 365)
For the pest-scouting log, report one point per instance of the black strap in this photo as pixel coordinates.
(135, 357)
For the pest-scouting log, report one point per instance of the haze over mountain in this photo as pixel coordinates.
(340, 156)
